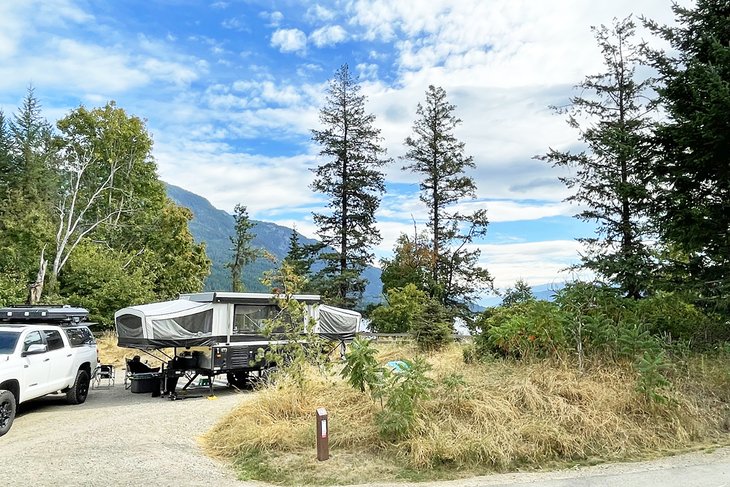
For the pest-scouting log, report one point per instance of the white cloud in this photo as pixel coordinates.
(289, 40)
(367, 71)
(274, 18)
(261, 183)
(512, 211)
(536, 262)
(20, 20)
(328, 36)
(233, 23)
(319, 13)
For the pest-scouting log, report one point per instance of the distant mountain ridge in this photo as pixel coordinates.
(215, 227)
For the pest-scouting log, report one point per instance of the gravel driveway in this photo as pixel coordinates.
(115, 438)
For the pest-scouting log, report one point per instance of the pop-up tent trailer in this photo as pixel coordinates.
(206, 319)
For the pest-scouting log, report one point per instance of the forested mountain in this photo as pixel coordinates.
(215, 227)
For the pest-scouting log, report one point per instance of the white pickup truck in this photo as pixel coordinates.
(43, 351)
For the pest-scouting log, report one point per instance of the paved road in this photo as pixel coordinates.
(120, 438)
(699, 469)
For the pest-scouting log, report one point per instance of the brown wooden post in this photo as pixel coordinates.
(323, 448)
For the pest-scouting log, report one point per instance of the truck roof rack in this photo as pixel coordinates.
(46, 313)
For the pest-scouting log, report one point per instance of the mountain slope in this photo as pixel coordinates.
(215, 227)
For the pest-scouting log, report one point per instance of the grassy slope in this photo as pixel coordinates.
(506, 416)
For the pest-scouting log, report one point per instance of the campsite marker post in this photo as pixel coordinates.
(323, 449)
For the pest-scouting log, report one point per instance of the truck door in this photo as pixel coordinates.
(60, 359)
(35, 368)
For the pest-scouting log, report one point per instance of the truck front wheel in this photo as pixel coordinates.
(7, 411)
(78, 392)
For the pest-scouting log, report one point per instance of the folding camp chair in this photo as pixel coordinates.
(102, 372)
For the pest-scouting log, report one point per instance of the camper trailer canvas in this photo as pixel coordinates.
(232, 327)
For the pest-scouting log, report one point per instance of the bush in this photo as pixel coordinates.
(406, 390)
(531, 328)
(405, 307)
(433, 327)
(669, 315)
(12, 290)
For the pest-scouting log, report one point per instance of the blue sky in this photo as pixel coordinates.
(230, 90)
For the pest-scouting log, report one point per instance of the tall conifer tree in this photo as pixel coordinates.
(438, 157)
(352, 178)
(243, 252)
(611, 176)
(692, 166)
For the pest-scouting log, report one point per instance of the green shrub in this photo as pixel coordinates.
(12, 289)
(532, 328)
(433, 328)
(406, 390)
(670, 315)
(405, 307)
(361, 369)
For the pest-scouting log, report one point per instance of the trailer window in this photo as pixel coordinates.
(253, 318)
(189, 326)
(129, 326)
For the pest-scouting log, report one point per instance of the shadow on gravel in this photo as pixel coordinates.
(117, 395)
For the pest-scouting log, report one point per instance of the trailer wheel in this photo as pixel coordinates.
(268, 375)
(238, 379)
(7, 411)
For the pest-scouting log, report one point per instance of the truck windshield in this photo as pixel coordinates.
(8, 340)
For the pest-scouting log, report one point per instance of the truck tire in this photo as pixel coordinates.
(7, 411)
(78, 392)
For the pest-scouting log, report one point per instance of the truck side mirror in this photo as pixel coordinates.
(35, 349)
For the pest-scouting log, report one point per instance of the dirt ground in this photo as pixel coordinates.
(121, 438)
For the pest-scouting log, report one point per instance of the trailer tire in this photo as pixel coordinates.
(8, 408)
(268, 375)
(238, 379)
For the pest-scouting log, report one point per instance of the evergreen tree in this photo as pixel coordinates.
(692, 166)
(352, 179)
(611, 176)
(28, 188)
(34, 161)
(243, 252)
(436, 154)
(299, 256)
(521, 293)
(6, 156)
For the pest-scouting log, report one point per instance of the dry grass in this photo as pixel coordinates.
(110, 353)
(507, 415)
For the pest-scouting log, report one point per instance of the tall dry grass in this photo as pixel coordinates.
(499, 416)
(110, 353)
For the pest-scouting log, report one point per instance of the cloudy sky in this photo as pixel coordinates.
(231, 89)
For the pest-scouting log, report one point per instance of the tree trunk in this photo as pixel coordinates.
(35, 289)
